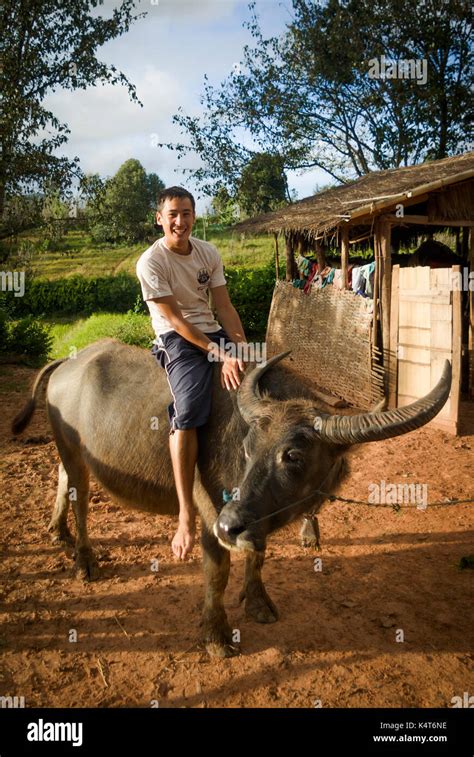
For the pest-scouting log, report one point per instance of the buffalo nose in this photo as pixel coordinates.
(228, 526)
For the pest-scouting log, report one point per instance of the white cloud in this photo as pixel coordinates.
(199, 11)
(106, 112)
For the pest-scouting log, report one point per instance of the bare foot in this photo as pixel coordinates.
(183, 540)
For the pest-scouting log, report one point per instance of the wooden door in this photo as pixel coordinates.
(425, 331)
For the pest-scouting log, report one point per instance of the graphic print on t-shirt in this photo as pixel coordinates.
(203, 277)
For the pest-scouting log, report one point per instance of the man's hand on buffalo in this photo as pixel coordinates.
(230, 378)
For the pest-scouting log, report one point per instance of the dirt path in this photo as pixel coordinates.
(385, 576)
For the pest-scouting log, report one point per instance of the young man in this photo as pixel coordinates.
(176, 273)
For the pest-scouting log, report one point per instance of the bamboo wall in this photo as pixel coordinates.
(329, 332)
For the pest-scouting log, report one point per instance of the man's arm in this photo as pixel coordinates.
(169, 309)
(227, 314)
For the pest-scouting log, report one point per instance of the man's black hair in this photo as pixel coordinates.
(170, 193)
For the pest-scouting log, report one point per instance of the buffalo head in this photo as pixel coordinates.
(293, 449)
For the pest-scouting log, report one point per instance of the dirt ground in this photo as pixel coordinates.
(338, 640)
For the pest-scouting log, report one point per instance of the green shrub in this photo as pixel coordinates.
(101, 233)
(136, 329)
(3, 330)
(77, 294)
(26, 338)
(251, 294)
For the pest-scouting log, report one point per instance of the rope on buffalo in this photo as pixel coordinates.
(332, 498)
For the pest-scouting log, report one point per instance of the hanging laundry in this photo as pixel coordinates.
(338, 279)
(328, 277)
(312, 274)
(356, 278)
(364, 283)
(350, 268)
(298, 283)
(304, 265)
(367, 272)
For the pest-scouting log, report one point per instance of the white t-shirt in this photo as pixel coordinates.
(163, 272)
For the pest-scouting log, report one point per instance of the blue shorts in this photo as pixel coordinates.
(189, 373)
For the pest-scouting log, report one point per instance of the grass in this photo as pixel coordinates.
(78, 255)
(75, 333)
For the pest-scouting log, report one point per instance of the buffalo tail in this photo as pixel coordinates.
(21, 421)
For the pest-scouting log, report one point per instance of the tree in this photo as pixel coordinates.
(310, 95)
(55, 213)
(224, 207)
(262, 185)
(128, 199)
(47, 45)
(155, 185)
(92, 191)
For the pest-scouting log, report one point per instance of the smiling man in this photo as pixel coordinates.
(176, 274)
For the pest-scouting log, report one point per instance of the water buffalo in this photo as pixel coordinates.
(107, 409)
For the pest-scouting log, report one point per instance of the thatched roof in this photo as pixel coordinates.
(367, 196)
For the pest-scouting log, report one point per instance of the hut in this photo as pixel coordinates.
(421, 309)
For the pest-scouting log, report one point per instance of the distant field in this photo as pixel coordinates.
(77, 332)
(78, 255)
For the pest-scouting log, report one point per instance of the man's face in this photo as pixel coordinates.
(177, 218)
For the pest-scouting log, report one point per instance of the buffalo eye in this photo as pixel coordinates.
(293, 457)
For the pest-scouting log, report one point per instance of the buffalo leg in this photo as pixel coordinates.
(217, 633)
(78, 495)
(58, 528)
(258, 604)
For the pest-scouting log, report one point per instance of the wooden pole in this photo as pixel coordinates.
(290, 258)
(277, 258)
(385, 291)
(471, 320)
(345, 253)
(394, 308)
(456, 356)
(376, 286)
(320, 255)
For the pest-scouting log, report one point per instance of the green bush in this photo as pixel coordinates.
(136, 329)
(251, 294)
(3, 330)
(77, 294)
(26, 338)
(101, 233)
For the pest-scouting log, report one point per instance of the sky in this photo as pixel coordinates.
(165, 55)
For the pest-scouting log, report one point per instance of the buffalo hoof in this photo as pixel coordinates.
(61, 535)
(258, 605)
(222, 651)
(87, 567)
(217, 638)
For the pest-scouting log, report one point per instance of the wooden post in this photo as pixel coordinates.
(301, 251)
(344, 253)
(376, 287)
(471, 319)
(277, 258)
(385, 290)
(456, 356)
(394, 307)
(320, 255)
(290, 258)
